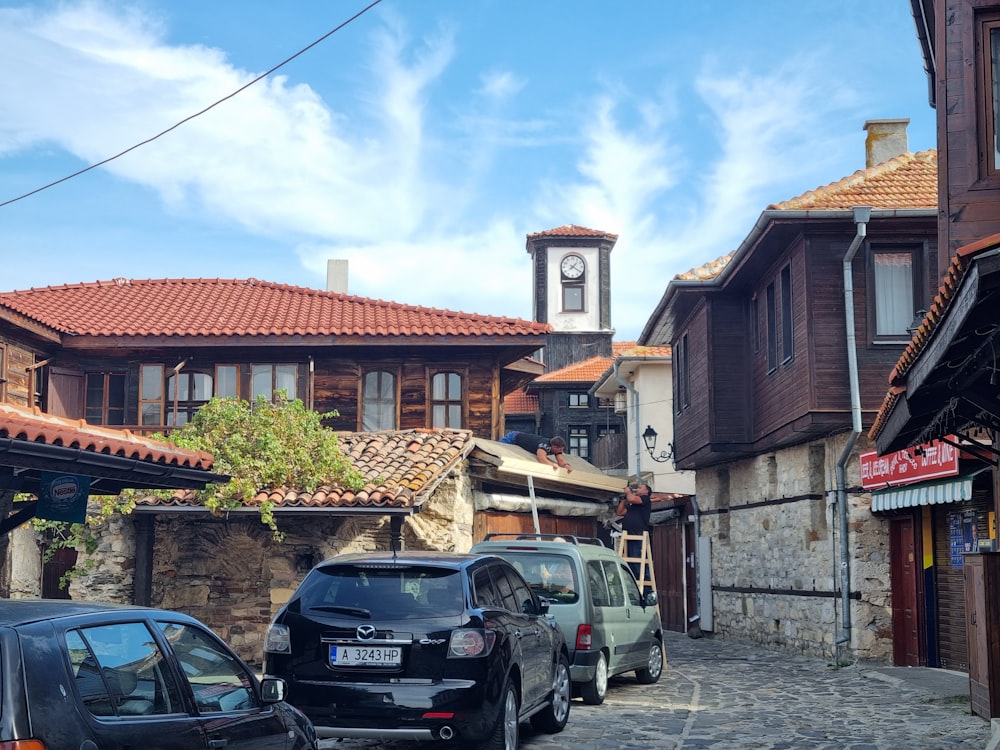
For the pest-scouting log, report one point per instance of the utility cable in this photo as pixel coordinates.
(263, 75)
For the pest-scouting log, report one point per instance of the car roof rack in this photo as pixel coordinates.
(569, 539)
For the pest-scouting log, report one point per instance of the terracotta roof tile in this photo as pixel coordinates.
(37, 427)
(401, 469)
(520, 402)
(572, 230)
(905, 181)
(908, 181)
(240, 307)
(587, 371)
(637, 352)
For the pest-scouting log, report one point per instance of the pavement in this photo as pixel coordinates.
(727, 695)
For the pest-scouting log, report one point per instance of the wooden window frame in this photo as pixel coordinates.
(917, 253)
(578, 400)
(274, 370)
(462, 401)
(987, 96)
(681, 359)
(174, 405)
(105, 407)
(3, 373)
(218, 379)
(771, 302)
(787, 319)
(149, 398)
(577, 435)
(394, 373)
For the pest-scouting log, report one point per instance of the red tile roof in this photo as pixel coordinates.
(37, 427)
(905, 181)
(908, 181)
(240, 307)
(520, 402)
(401, 470)
(587, 371)
(572, 230)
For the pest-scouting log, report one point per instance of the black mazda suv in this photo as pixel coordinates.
(421, 646)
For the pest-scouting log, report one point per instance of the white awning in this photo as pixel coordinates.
(928, 493)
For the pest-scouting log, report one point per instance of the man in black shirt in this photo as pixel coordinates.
(633, 512)
(541, 447)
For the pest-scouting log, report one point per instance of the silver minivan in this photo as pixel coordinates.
(610, 626)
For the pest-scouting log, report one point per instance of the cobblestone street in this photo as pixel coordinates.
(729, 696)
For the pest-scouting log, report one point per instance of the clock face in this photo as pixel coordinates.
(572, 266)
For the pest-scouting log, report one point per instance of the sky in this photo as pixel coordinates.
(425, 139)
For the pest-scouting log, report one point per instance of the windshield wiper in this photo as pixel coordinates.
(341, 610)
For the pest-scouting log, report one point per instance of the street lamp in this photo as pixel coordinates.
(649, 438)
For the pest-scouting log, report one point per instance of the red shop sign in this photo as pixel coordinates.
(928, 461)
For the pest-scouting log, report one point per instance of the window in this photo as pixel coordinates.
(683, 374)
(227, 381)
(579, 400)
(187, 391)
(151, 394)
(446, 400)
(105, 398)
(786, 314)
(267, 380)
(988, 55)
(579, 441)
(772, 329)
(755, 324)
(219, 682)
(378, 401)
(572, 298)
(120, 671)
(893, 272)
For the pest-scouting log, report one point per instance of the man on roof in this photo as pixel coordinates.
(542, 447)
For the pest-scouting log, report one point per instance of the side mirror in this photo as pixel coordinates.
(273, 689)
(650, 598)
(543, 605)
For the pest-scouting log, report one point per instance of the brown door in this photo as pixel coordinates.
(904, 571)
(669, 566)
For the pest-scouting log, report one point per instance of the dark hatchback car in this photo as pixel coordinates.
(421, 646)
(89, 676)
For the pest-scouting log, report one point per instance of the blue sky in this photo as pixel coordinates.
(426, 139)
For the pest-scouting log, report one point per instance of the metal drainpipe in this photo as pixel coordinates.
(635, 414)
(861, 216)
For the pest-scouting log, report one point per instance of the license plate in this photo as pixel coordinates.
(366, 656)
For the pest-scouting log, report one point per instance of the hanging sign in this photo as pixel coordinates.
(918, 464)
(63, 497)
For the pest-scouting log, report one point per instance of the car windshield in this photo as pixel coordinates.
(548, 575)
(398, 592)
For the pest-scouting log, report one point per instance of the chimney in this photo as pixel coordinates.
(886, 140)
(336, 276)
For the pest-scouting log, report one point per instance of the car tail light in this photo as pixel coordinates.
(470, 643)
(584, 638)
(22, 745)
(278, 641)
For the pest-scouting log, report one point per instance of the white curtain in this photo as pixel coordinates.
(893, 293)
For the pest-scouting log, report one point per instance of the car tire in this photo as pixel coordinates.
(505, 732)
(654, 667)
(593, 692)
(552, 719)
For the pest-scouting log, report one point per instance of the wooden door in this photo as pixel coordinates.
(669, 554)
(904, 569)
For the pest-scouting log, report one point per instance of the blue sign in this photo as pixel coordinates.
(63, 497)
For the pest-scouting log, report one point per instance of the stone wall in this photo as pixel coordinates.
(776, 553)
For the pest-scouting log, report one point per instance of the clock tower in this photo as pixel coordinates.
(572, 292)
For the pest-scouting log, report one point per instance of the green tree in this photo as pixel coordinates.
(260, 444)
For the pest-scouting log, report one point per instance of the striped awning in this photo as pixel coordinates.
(927, 493)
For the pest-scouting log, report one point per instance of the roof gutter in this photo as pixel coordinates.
(861, 216)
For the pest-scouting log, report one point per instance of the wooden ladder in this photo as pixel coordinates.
(646, 578)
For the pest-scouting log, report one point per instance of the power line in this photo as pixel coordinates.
(263, 75)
